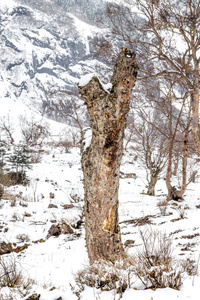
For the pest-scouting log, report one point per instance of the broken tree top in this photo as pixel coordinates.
(85, 79)
(126, 59)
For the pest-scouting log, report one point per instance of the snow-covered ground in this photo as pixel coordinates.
(52, 262)
(28, 212)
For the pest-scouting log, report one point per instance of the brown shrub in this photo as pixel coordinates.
(155, 265)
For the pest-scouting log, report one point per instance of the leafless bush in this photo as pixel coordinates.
(155, 265)
(66, 145)
(7, 129)
(23, 237)
(162, 205)
(190, 267)
(106, 276)
(33, 132)
(10, 273)
(11, 276)
(70, 138)
(181, 211)
(15, 217)
(75, 198)
(36, 156)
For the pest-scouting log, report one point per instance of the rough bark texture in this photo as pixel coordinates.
(101, 160)
(195, 121)
(153, 180)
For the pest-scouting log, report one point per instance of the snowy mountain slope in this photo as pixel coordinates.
(44, 47)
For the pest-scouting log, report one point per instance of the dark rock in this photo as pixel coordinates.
(52, 195)
(140, 221)
(53, 221)
(52, 206)
(67, 206)
(5, 248)
(61, 228)
(129, 243)
(128, 175)
(34, 297)
(27, 215)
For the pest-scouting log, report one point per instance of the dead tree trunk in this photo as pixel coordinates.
(101, 160)
(154, 173)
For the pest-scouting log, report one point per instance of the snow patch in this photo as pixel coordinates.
(86, 30)
(8, 3)
(87, 137)
(107, 87)
(84, 80)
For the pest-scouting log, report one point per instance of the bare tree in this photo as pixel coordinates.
(179, 122)
(7, 128)
(165, 116)
(150, 146)
(101, 160)
(33, 132)
(68, 107)
(166, 35)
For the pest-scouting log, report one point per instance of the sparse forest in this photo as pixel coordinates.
(167, 42)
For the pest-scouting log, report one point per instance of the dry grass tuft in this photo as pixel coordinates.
(155, 265)
(106, 276)
(162, 205)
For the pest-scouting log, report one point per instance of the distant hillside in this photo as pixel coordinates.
(45, 47)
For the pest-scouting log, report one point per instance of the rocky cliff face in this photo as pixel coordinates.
(45, 46)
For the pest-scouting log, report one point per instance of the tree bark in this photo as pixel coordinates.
(152, 182)
(173, 193)
(169, 170)
(101, 160)
(195, 120)
(185, 157)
